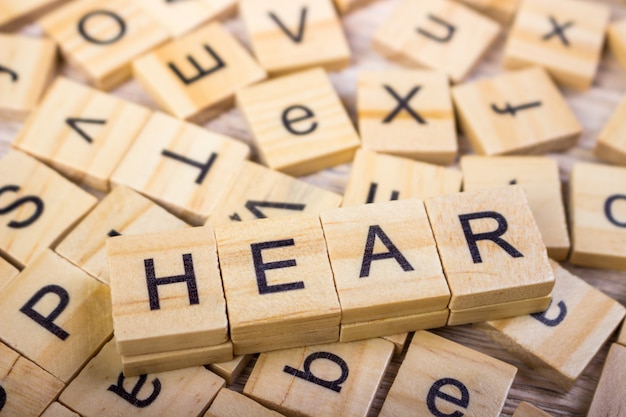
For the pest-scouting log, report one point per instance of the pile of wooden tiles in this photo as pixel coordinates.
(167, 271)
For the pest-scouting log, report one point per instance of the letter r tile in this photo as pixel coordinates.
(56, 315)
(491, 251)
(278, 283)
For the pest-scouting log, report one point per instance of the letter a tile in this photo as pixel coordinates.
(491, 252)
(166, 291)
(278, 284)
(81, 132)
(101, 389)
(100, 38)
(438, 34)
(291, 35)
(182, 166)
(303, 128)
(56, 315)
(515, 113)
(339, 379)
(561, 341)
(598, 216)
(195, 77)
(37, 206)
(442, 378)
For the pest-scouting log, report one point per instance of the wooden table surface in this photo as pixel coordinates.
(592, 107)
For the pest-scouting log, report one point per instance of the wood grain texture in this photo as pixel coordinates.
(592, 108)
(609, 399)
(56, 409)
(230, 370)
(7, 272)
(229, 403)
(525, 409)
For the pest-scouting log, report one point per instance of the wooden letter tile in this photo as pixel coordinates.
(438, 34)
(385, 263)
(609, 399)
(559, 342)
(81, 132)
(56, 315)
(229, 403)
(290, 36)
(184, 167)
(611, 142)
(121, 212)
(440, 377)
(166, 291)
(516, 112)
(525, 409)
(407, 113)
(563, 36)
(7, 273)
(491, 251)
(258, 192)
(102, 389)
(25, 388)
(180, 17)
(339, 379)
(14, 13)
(195, 77)
(26, 66)
(377, 178)
(303, 128)
(598, 216)
(38, 206)
(539, 176)
(100, 38)
(500, 10)
(57, 409)
(230, 370)
(616, 37)
(278, 284)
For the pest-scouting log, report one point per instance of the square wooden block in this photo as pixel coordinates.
(26, 389)
(598, 216)
(525, 409)
(102, 389)
(166, 291)
(231, 369)
(616, 38)
(560, 342)
(384, 260)
(407, 113)
(26, 66)
(563, 36)
(14, 13)
(289, 36)
(122, 212)
(151, 363)
(516, 113)
(230, 403)
(490, 247)
(303, 128)
(56, 409)
(339, 379)
(7, 273)
(499, 10)
(441, 377)
(182, 166)
(377, 178)
(438, 34)
(57, 315)
(611, 141)
(38, 206)
(258, 192)
(609, 399)
(278, 284)
(100, 38)
(82, 132)
(539, 176)
(195, 77)
(180, 17)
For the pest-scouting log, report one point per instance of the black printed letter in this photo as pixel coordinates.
(608, 212)
(297, 38)
(253, 207)
(83, 22)
(260, 267)
(403, 103)
(555, 321)
(508, 109)
(287, 122)
(558, 30)
(435, 393)
(219, 64)
(450, 29)
(48, 321)
(307, 375)
(11, 73)
(73, 123)
(371, 194)
(3, 398)
(131, 397)
(153, 282)
(494, 236)
(204, 168)
(393, 251)
(20, 201)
